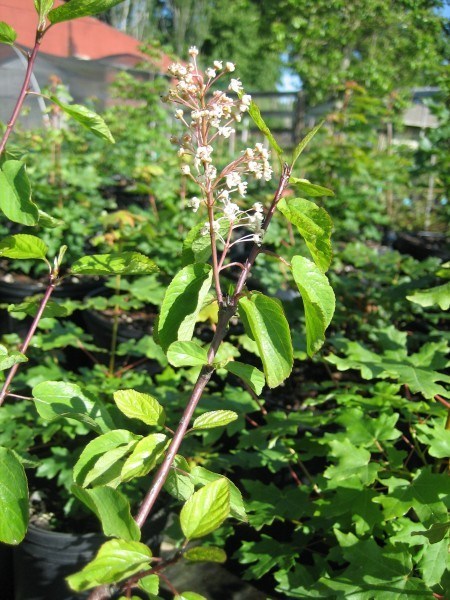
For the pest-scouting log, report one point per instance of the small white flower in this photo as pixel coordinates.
(230, 67)
(225, 131)
(246, 99)
(258, 207)
(193, 51)
(210, 72)
(218, 64)
(224, 196)
(242, 188)
(258, 238)
(179, 114)
(230, 211)
(194, 203)
(233, 179)
(235, 86)
(185, 169)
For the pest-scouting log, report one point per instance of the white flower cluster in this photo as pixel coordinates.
(208, 114)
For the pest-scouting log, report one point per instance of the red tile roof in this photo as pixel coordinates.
(85, 38)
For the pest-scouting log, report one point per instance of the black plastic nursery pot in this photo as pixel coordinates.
(6, 572)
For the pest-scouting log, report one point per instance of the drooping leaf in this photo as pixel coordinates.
(80, 8)
(123, 263)
(116, 560)
(252, 376)
(13, 498)
(311, 189)
(100, 462)
(52, 309)
(57, 399)
(206, 509)
(179, 483)
(8, 358)
(7, 34)
(318, 300)
(86, 117)
(46, 220)
(23, 246)
(206, 554)
(255, 114)
(182, 303)
(144, 457)
(15, 194)
(186, 354)
(138, 405)
(439, 295)
(304, 142)
(201, 476)
(215, 418)
(112, 509)
(314, 225)
(266, 323)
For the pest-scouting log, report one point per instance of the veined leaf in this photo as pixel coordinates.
(255, 114)
(137, 405)
(252, 376)
(7, 34)
(305, 141)
(144, 457)
(205, 554)
(439, 295)
(201, 476)
(120, 263)
(268, 326)
(112, 509)
(311, 189)
(15, 194)
(179, 483)
(318, 300)
(116, 560)
(186, 354)
(52, 309)
(80, 8)
(8, 358)
(24, 246)
(314, 225)
(214, 418)
(197, 247)
(43, 7)
(206, 509)
(86, 117)
(13, 498)
(182, 303)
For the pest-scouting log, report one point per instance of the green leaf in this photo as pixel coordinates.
(197, 247)
(182, 303)
(314, 225)
(150, 584)
(266, 323)
(249, 374)
(179, 483)
(206, 510)
(214, 418)
(137, 405)
(87, 118)
(318, 300)
(144, 457)
(8, 358)
(59, 399)
(311, 189)
(24, 246)
(30, 308)
(189, 596)
(116, 560)
(255, 114)
(434, 563)
(305, 141)
(123, 263)
(201, 476)
(13, 498)
(7, 34)
(439, 295)
(43, 7)
(100, 462)
(15, 194)
(186, 354)
(112, 509)
(80, 8)
(206, 554)
(46, 220)
(352, 461)
(435, 533)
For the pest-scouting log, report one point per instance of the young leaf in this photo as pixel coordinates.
(150, 584)
(206, 554)
(116, 560)
(314, 225)
(206, 510)
(144, 457)
(137, 405)
(43, 7)
(99, 463)
(112, 509)
(13, 498)
(249, 374)
(197, 247)
(23, 245)
(7, 34)
(439, 295)
(186, 354)
(305, 141)
(80, 8)
(123, 263)
(214, 418)
(255, 114)
(268, 326)
(8, 358)
(179, 483)
(311, 189)
(182, 303)
(201, 476)
(87, 118)
(15, 194)
(318, 300)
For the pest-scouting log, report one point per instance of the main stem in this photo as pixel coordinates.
(23, 91)
(24, 347)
